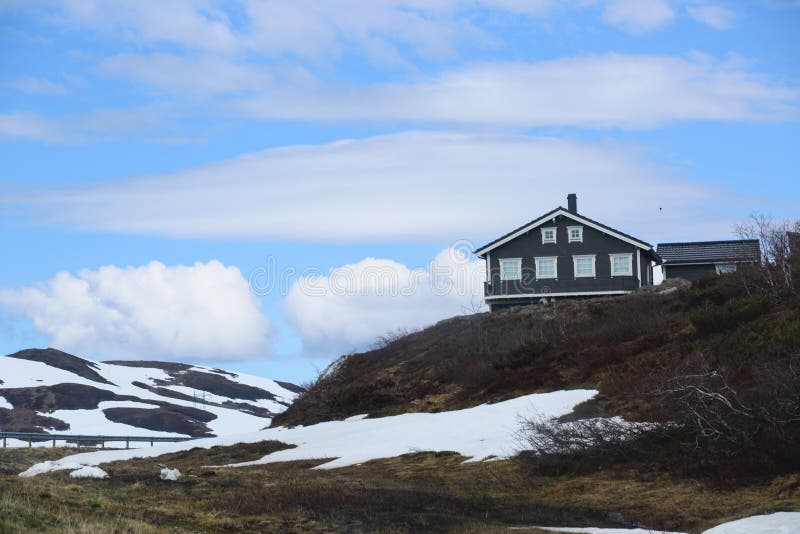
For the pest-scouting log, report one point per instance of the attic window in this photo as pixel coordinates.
(548, 235)
(621, 264)
(575, 234)
(511, 269)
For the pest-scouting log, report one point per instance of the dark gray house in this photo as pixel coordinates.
(693, 260)
(564, 254)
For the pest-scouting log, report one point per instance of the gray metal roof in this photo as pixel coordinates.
(710, 251)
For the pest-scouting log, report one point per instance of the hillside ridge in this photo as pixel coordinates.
(43, 390)
(620, 346)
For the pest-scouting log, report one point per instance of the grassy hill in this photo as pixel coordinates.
(623, 346)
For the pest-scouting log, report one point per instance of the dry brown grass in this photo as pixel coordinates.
(421, 492)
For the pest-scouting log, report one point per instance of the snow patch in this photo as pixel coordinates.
(5, 404)
(88, 471)
(51, 465)
(595, 530)
(777, 523)
(476, 433)
(168, 474)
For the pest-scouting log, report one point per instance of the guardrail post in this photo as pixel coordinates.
(30, 443)
(102, 444)
(151, 442)
(4, 442)
(127, 444)
(54, 443)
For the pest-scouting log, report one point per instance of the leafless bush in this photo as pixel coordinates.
(607, 437)
(725, 420)
(773, 275)
(384, 340)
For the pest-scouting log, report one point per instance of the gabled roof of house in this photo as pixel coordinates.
(574, 216)
(737, 250)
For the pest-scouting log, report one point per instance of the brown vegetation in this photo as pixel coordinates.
(422, 492)
(611, 344)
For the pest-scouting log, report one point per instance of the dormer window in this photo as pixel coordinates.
(548, 235)
(575, 234)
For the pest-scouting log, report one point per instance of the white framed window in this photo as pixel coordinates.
(546, 268)
(725, 268)
(511, 269)
(621, 264)
(584, 266)
(575, 234)
(548, 235)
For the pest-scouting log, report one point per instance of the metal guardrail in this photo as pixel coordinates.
(30, 437)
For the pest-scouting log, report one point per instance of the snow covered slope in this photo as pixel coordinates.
(46, 390)
(478, 433)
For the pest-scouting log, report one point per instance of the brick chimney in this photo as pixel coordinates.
(572, 203)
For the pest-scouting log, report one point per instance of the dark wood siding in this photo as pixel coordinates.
(529, 246)
(688, 272)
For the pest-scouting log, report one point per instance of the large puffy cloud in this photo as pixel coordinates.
(410, 186)
(349, 307)
(204, 311)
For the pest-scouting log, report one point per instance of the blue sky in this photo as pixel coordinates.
(161, 159)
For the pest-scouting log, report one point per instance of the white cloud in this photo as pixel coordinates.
(205, 311)
(717, 17)
(31, 127)
(33, 85)
(604, 90)
(312, 29)
(98, 124)
(204, 75)
(195, 24)
(408, 186)
(638, 16)
(353, 304)
(631, 91)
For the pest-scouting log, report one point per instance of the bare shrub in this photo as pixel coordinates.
(553, 443)
(773, 275)
(391, 336)
(724, 420)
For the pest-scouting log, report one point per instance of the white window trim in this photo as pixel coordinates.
(575, 259)
(518, 261)
(555, 235)
(555, 267)
(570, 239)
(719, 265)
(628, 255)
